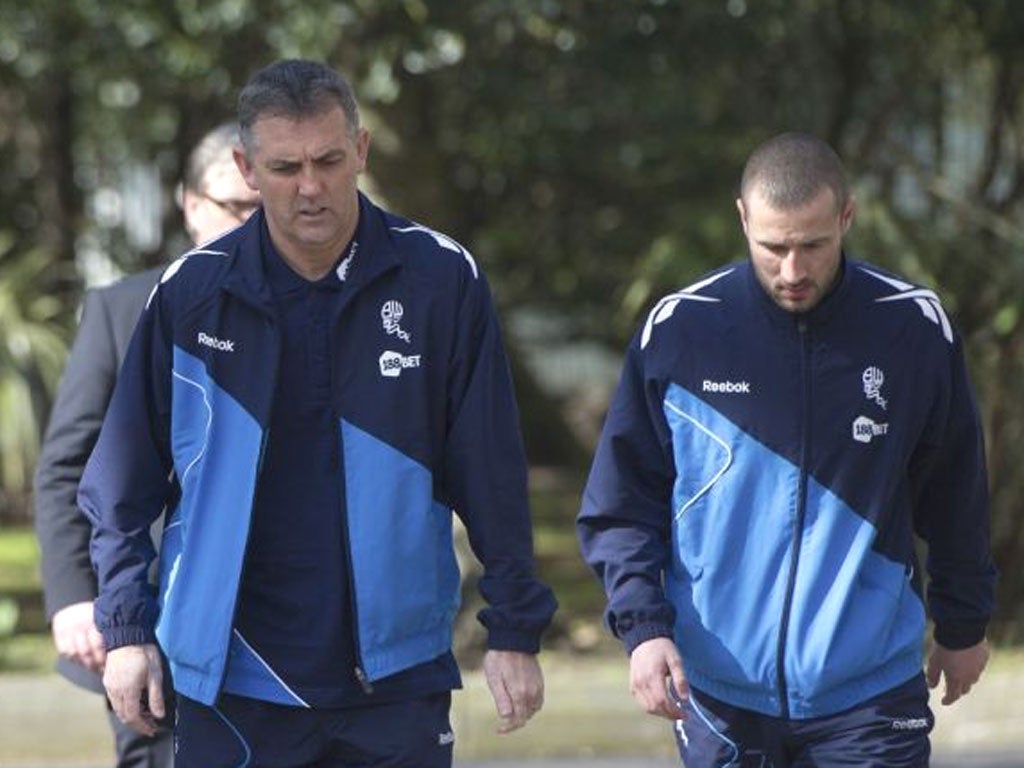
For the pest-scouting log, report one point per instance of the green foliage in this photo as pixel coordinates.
(8, 617)
(20, 604)
(32, 349)
(19, 560)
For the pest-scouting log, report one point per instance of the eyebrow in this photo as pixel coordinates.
(782, 243)
(328, 154)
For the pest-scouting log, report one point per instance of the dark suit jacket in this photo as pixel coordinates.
(109, 316)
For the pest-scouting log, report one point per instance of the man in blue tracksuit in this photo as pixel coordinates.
(782, 429)
(311, 396)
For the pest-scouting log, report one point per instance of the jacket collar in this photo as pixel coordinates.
(371, 255)
(821, 314)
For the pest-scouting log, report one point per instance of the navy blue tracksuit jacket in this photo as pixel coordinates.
(760, 478)
(426, 422)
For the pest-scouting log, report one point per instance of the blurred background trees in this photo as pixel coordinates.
(587, 152)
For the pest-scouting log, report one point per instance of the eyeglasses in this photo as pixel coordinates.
(238, 209)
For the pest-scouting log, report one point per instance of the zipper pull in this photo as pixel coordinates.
(364, 681)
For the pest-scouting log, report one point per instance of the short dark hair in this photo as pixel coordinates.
(791, 168)
(214, 148)
(294, 88)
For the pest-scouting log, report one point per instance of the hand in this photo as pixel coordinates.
(657, 680)
(961, 668)
(517, 685)
(134, 672)
(76, 637)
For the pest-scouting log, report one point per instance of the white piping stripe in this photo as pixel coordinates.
(152, 293)
(721, 471)
(172, 577)
(667, 304)
(927, 310)
(732, 744)
(266, 666)
(929, 305)
(707, 281)
(916, 293)
(205, 251)
(947, 328)
(666, 311)
(903, 286)
(209, 421)
(927, 301)
(175, 265)
(248, 750)
(443, 240)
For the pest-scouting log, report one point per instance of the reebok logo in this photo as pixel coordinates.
(726, 387)
(221, 345)
(393, 363)
(865, 429)
(443, 739)
(910, 724)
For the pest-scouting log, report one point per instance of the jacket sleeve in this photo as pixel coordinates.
(951, 513)
(75, 421)
(126, 484)
(624, 524)
(485, 476)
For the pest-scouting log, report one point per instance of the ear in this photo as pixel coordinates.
(245, 168)
(846, 217)
(362, 148)
(189, 202)
(743, 214)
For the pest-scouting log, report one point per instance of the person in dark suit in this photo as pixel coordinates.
(213, 199)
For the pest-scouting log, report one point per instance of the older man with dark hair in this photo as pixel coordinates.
(311, 396)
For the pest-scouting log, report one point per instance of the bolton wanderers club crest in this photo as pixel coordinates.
(391, 316)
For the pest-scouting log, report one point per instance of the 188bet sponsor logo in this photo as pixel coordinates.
(393, 363)
(865, 429)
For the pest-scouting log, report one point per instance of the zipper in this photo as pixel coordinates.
(264, 440)
(338, 459)
(346, 547)
(364, 681)
(801, 510)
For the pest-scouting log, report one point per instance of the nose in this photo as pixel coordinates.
(309, 182)
(793, 269)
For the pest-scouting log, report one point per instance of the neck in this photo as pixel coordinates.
(307, 267)
(312, 263)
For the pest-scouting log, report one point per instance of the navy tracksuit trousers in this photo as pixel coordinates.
(889, 731)
(240, 732)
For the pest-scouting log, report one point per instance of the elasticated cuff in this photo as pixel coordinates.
(957, 635)
(511, 640)
(118, 637)
(641, 633)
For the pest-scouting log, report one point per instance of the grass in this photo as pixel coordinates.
(588, 709)
(19, 560)
(28, 653)
(21, 605)
(588, 712)
(554, 500)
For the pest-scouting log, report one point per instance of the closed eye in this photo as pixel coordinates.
(285, 169)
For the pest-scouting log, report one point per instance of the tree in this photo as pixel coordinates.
(586, 151)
